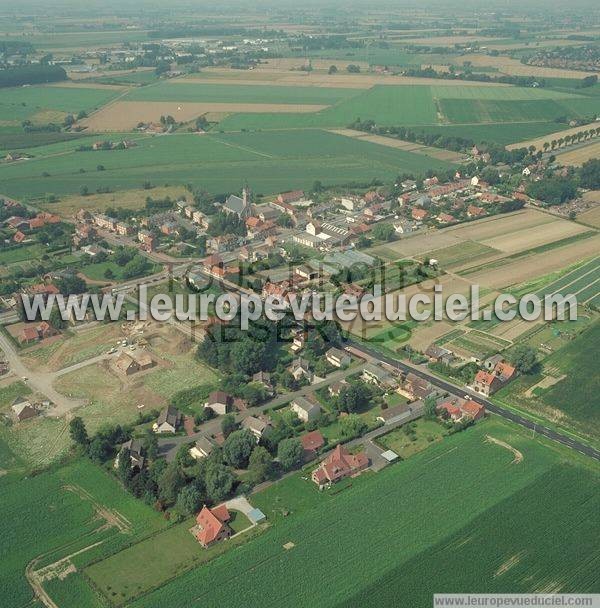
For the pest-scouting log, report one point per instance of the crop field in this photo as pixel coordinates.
(59, 512)
(458, 254)
(18, 104)
(411, 534)
(275, 162)
(580, 155)
(570, 400)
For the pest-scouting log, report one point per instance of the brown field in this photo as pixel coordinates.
(514, 67)
(416, 245)
(578, 156)
(390, 142)
(528, 238)
(125, 115)
(538, 142)
(68, 206)
(80, 76)
(591, 217)
(520, 271)
(269, 76)
(499, 225)
(87, 85)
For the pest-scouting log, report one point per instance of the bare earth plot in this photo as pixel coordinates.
(522, 270)
(592, 216)
(125, 115)
(416, 245)
(390, 142)
(580, 155)
(528, 238)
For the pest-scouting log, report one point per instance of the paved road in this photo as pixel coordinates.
(491, 407)
(168, 446)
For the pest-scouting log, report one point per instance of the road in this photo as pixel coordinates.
(168, 446)
(490, 407)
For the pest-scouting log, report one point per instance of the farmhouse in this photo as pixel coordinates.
(305, 409)
(168, 421)
(337, 465)
(23, 409)
(134, 448)
(129, 364)
(438, 354)
(401, 412)
(212, 525)
(337, 357)
(487, 382)
(417, 388)
(459, 409)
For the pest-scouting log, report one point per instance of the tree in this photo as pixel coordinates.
(228, 425)
(124, 469)
(260, 465)
(589, 174)
(238, 447)
(151, 444)
(430, 406)
(290, 453)
(352, 426)
(170, 483)
(78, 432)
(383, 232)
(219, 481)
(100, 449)
(332, 69)
(524, 358)
(355, 397)
(189, 501)
(84, 191)
(353, 68)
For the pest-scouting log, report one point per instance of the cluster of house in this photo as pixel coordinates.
(22, 225)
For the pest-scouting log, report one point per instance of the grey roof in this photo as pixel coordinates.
(305, 405)
(170, 415)
(204, 444)
(255, 424)
(234, 203)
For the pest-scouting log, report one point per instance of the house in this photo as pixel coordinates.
(28, 335)
(458, 409)
(45, 330)
(23, 409)
(147, 239)
(128, 363)
(336, 388)
(306, 272)
(417, 388)
(264, 379)
(19, 237)
(135, 449)
(300, 369)
(311, 443)
(491, 362)
(305, 410)
(257, 426)
(375, 374)
(486, 383)
(404, 227)
(291, 197)
(445, 218)
(438, 354)
(398, 412)
(298, 342)
(202, 448)
(219, 402)
(337, 357)
(339, 464)
(211, 525)
(474, 211)
(168, 421)
(124, 229)
(419, 214)
(473, 410)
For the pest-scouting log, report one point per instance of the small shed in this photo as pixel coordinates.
(390, 455)
(256, 516)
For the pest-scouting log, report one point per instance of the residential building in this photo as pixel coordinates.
(375, 374)
(134, 448)
(338, 464)
(258, 426)
(311, 443)
(168, 421)
(305, 409)
(439, 354)
(211, 525)
(300, 369)
(337, 357)
(202, 448)
(23, 409)
(219, 402)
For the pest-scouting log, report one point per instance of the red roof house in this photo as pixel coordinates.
(212, 526)
(312, 442)
(339, 464)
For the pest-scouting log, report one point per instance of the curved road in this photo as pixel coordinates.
(491, 407)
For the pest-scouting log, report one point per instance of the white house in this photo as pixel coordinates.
(305, 410)
(337, 357)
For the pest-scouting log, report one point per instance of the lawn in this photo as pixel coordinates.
(21, 253)
(455, 255)
(426, 432)
(9, 392)
(458, 495)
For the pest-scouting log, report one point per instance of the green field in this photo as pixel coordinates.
(18, 104)
(203, 93)
(43, 519)
(462, 495)
(272, 162)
